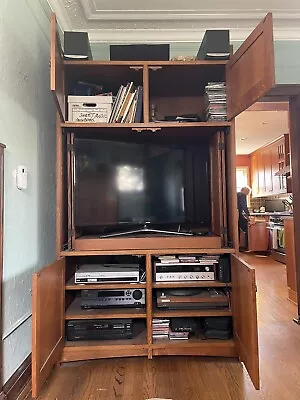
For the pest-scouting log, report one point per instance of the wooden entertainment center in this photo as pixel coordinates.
(175, 87)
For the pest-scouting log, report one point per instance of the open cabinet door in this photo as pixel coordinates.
(250, 72)
(47, 321)
(245, 316)
(57, 85)
(217, 186)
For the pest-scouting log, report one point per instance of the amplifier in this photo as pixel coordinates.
(184, 272)
(113, 298)
(99, 329)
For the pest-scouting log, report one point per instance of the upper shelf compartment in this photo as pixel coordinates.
(178, 90)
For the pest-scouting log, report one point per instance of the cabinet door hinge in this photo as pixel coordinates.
(70, 147)
(223, 230)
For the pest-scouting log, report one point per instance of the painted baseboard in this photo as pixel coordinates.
(19, 384)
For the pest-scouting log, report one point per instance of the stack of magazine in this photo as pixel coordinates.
(215, 97)
(128, 104)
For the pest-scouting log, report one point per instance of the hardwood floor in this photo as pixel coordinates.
(191, 378)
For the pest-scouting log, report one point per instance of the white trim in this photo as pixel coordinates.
(62, 15)
(16, 325)
(175, 35)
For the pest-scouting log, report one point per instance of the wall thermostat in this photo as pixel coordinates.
(21, 177)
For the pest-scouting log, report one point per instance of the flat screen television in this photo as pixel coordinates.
(119, 186)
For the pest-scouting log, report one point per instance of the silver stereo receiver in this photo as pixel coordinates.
(106, 273)
(184, 272)
(113, 298)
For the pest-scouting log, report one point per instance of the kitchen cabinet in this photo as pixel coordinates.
(270, 167)
(258, 235)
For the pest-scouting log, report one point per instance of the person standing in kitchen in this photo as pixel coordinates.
(244, 215)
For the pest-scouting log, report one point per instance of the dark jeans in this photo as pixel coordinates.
(243, 226)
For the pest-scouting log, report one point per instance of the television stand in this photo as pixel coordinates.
(146, 229)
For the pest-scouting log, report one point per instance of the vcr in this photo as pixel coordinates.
(99, 329)
(112, 298)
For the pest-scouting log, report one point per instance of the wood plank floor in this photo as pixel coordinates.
(190, 378)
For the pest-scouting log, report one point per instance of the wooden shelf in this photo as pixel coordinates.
(71, 285)
(93, 349)
(144, 126)
(94, 63)
(164, 285)
(195, 347)
(192, 313)
(193, 341)
(74, 253)
(75, 311)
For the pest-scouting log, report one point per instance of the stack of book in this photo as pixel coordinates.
(128, 104)
(178, 335)
(215, 96)
(160, 328)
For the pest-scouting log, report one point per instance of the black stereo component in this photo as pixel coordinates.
(77, 46)
(215, 45)
(99, 329)
(113, 298)
(223, 272)
(184, 325)
(140, 52)
(217, 327)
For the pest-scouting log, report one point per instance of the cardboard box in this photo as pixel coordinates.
(89, 108)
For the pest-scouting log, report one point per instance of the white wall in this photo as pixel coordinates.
(27, 127)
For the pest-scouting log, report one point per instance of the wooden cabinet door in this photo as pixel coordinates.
(254, 175)
(218, 195)
(261, 173)
(47, 321)
(57, 85)
(268, 172)
(258, 236)
(245, 316)
(275, 163)
(250, 72)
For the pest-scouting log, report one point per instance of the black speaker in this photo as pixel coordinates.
(140, 52)
(223, 270)
(77, 46)
(215, 45)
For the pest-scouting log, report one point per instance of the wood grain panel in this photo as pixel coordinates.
(258, 236)
(232, 213)
(290, 257)
(149, 301)
(47, 321)
(2, 147)
(57, 85)
(216, 185)
(250, 72)
(245, 316)
(154, 243)
(295, 151)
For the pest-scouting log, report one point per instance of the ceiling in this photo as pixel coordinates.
(119, 21)
(255, 129)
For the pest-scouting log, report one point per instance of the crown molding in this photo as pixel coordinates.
(62, 15)
(83, 15)
(124, 36)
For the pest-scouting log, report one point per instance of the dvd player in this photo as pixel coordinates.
(106, 273)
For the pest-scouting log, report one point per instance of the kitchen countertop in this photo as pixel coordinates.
(275, 214)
